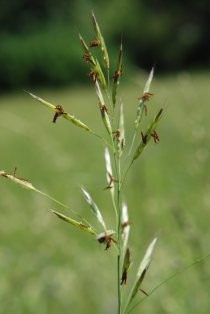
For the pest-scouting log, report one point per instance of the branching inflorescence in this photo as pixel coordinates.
(112, 116)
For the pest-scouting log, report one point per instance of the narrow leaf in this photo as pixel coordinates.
(94, 208)
(75, 223)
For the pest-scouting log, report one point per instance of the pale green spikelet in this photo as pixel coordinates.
(22, 182)
(121, 138)
(59, 111)
(101, 41)
(103, 109)
(94, 208)
(117, 76)
(126, 266)
(148, 134)
(143, 99)
(143, 267)
(75, 223)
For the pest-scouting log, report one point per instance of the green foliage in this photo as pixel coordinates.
(49, 56)
(33, 33)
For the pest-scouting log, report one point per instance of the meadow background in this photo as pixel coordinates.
(47, 266)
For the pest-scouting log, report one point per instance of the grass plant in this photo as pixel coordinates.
(120, 153)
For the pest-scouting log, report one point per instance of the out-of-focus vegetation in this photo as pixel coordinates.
(39, 43)
(48, 266)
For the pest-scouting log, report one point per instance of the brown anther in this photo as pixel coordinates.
(144, 138)
(122, 143)
(146, 96)
(116, 135)
(111, 181)
(125, 224)
(15, 175)
(4, 174)
(124, 277)
(155, 137)
(145, 110)
(144, 292)
(94, 43)
(104, 109)
(93, 75)
(107, 239)
(117, 74)
(58, 113)
(86, 57)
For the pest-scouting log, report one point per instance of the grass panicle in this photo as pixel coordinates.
(118, 162)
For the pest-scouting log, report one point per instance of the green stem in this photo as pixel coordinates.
(119, 257)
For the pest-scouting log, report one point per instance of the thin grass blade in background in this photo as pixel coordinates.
(94, 208)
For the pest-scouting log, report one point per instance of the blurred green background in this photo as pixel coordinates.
(47, 266)
(39, 39)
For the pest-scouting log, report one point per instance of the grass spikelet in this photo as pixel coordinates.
(100, 75)
(143, 99)
(94, 208)
(101, 41)
(144, 265)
(103, 109)
(126, 266)
(22, 182)
(150, 132)
(75, 223)
(117, 76)
(109, 174)
(88, 57)
(125, 226)
(60, 112)
(121, 138)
